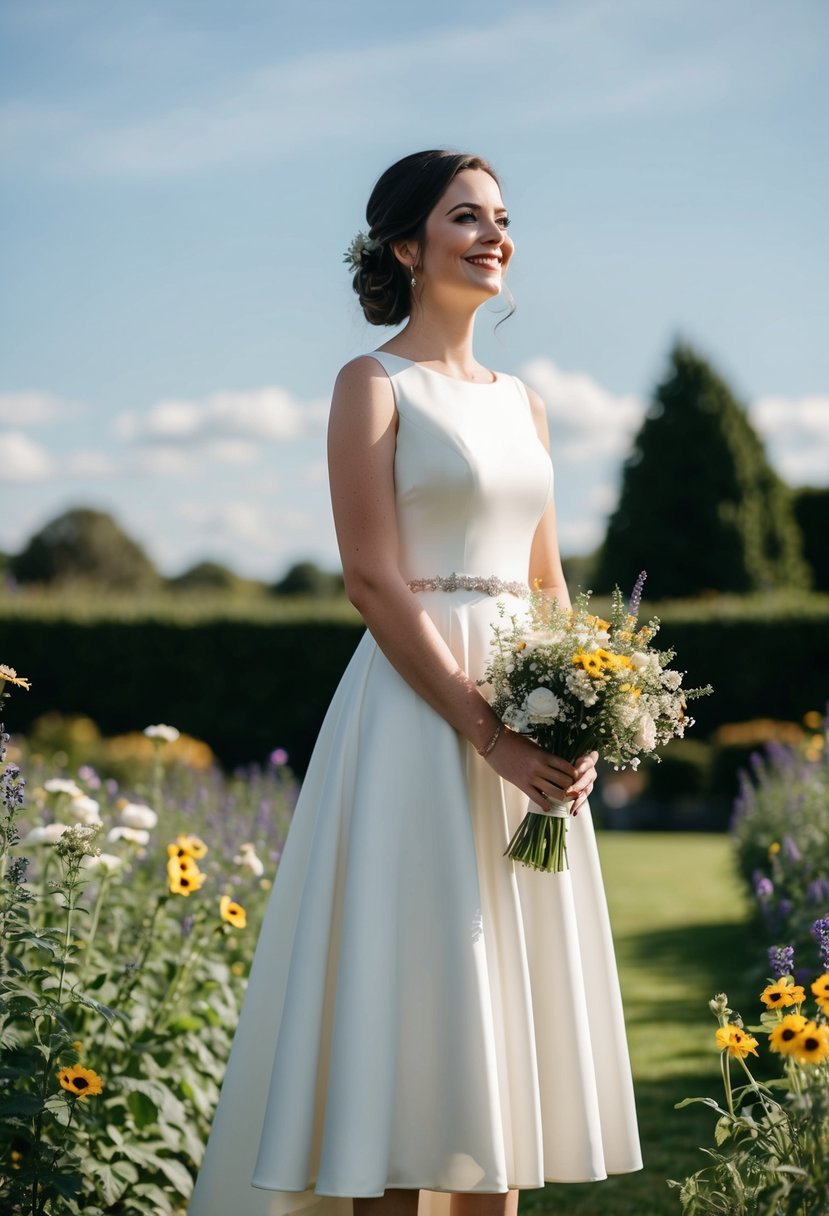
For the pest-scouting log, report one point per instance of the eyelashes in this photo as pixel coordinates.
(503, 220)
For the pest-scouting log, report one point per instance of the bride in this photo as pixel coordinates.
(425, 1022)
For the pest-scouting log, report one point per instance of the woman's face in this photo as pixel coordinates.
(467, 249)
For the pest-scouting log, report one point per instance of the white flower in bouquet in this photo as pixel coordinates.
(645, 738)
(543, 705)
(84, 809)
(137, 815)
(516, 719)
(581, 686)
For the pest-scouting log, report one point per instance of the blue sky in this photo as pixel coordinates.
(178, 181)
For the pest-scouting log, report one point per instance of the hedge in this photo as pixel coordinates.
(250, 681)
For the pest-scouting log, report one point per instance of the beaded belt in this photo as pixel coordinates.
(469, 582)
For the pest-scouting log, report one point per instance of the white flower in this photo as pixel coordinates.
(136, 835)
(85, 809)
(639, 660)
(645, 737)
(671, 680)
(105, 861)
(50, 833)
(581, 686)
(138, 815)
(516, 718)
(62, 785)
(247, 857)
(168, 734)
(533, 638)
(601, 636)
(543, 705)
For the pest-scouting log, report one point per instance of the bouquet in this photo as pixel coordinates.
(576, 683)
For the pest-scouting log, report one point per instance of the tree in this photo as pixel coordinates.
(811, 508)
(306, 578)
(84, 546)
(700, 507)
(212, 576)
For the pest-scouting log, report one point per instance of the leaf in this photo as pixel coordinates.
(20, 1104)
(107, 1182)
(184, 1022)
(109, 1015)
(144, 1111)
(180, 1177)
(722, 1130)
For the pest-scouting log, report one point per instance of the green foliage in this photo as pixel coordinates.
(811, 508)
(104, 968)
(700, 507)
(781, 833)
(306, 578)
(84, 546)
(771, 1152)
(214, 578)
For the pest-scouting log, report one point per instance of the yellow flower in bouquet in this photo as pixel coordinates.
(576, 683)
(735, 1041)
(782, 994)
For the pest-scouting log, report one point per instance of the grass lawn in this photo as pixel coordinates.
(679, 920)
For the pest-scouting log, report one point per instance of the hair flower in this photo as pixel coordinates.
(361, 245)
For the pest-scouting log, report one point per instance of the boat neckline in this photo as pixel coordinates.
(433, 371)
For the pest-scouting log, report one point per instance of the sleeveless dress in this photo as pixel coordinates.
(421, 1012)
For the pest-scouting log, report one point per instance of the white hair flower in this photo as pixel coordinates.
(167, 734)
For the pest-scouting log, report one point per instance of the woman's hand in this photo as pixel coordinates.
(542, 775)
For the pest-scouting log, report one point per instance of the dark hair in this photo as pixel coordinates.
(397, 210)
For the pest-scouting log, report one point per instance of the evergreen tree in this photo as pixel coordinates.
(811, 508)
(700, 507)
(84, 546)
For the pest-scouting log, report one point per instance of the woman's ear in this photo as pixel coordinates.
(407, 253)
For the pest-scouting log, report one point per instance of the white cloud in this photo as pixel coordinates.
(21, 459)
(269, 413)
(587, 422)
(574, 61)
(796, 430)
(33, 408)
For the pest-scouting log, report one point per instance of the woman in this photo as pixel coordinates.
(423, 1018)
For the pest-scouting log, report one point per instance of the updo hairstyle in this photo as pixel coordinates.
(399, 206)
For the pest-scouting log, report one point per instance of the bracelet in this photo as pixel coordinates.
(496, 735)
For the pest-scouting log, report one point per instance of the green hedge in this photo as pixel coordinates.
(249, 681)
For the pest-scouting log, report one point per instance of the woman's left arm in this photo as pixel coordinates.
(547, 574)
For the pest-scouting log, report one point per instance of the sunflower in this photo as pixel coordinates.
(232, 912)
(82, 1082)
(187, 846)
(9, 676)
(591, 663)
(735, 1041)
(785, 1033)
(781, 994)
(184, 878)
(820, 988)
(811, 1046)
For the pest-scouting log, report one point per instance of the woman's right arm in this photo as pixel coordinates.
(362, 437)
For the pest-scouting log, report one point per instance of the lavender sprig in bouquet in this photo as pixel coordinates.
(575, 683)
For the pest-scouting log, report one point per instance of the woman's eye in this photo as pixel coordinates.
(466, 215)
(504, 221)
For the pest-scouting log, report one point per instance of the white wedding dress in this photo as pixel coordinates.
(421, 1012)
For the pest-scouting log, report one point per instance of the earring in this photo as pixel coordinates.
(414, 280)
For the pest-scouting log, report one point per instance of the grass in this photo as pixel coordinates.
(681, 932)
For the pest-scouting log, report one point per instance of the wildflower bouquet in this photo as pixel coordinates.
(772, 1156)
(576, 683)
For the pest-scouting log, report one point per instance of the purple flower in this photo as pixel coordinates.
(187, 925)
(763, 887)
(790, 850)
(817, 892)
(781, 961)
(820, 932)
(278, 757)
(785, 908)
(636, 594)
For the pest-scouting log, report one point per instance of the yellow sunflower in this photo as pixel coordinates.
(781, 994)
(590, 663)
(184, 879)
(82, 1082)
(811, 1046)
(820, 988)
(785, 1033)
(232, 912)
(187, 846)
(735, 1041)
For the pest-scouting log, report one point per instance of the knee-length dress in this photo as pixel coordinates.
(421, 1012)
